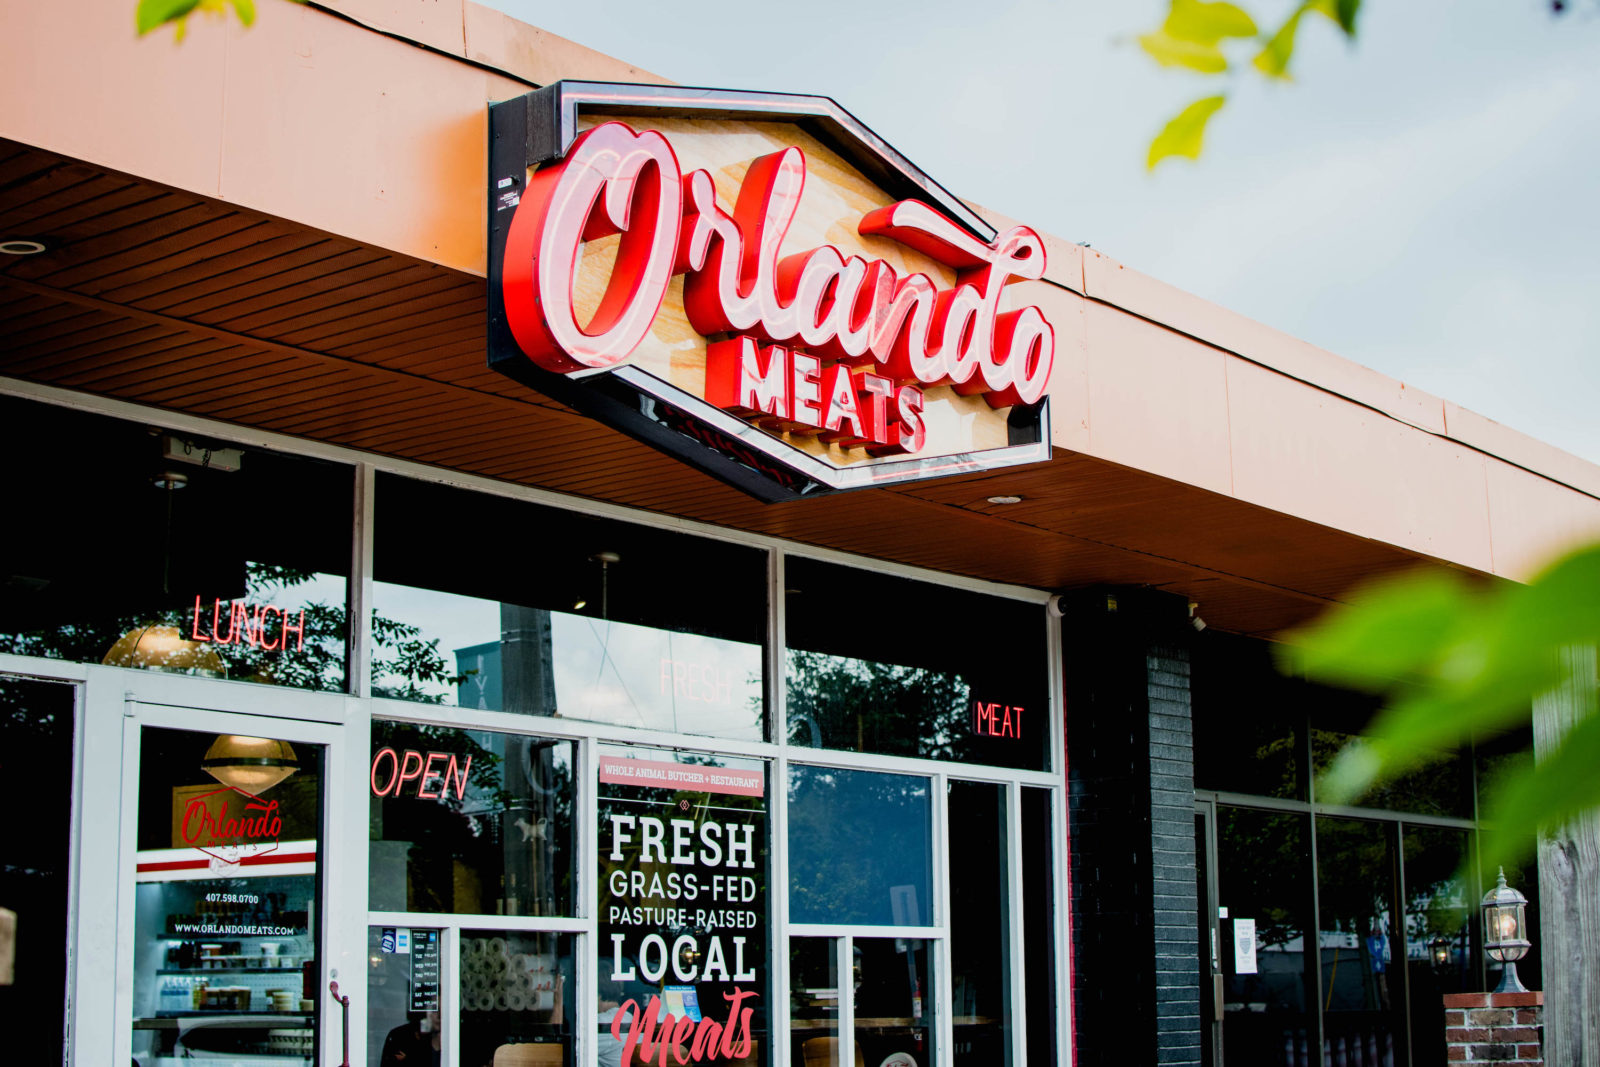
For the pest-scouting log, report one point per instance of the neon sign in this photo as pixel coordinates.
(997, 720)
(439, 768)
(824, 343)
(819, 317)
(240, 623)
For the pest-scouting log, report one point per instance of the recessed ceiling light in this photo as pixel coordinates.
(1005, 500)
(22, 246)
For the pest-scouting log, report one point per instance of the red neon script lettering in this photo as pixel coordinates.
(391, 770)
(613, 180)
(803, 309)
(248, 626)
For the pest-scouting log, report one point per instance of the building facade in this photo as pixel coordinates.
(375, 704)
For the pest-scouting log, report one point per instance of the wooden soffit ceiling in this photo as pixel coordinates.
(166, 298)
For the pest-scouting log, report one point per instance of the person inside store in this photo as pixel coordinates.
(414, 1043)
(611, 995)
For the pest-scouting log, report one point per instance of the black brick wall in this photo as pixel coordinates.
(1130, 758)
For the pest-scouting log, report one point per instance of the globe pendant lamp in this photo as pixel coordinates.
(164, 648)
(249, 764)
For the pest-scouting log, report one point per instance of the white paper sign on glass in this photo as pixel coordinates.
(1244, 946)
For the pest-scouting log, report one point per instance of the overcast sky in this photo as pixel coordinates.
(1426, 202)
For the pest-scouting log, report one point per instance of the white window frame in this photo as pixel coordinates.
(105, 692)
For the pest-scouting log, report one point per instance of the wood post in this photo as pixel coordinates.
(1569, 887)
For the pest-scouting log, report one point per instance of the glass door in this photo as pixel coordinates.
(232, 930)
(1210, 939)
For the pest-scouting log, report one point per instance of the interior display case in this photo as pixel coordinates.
(225, 968)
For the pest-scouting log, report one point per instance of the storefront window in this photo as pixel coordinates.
(894, 999)
(814, 1001)
(225, 899)
(515, 999)
(1264, 882)
(504, 605)
(682, 904)
(1038, 919)
(860, 848)
(36, 742)
(980, 924)
(1361, 951)
(404, 1024)
(939, 673)
(158, 550)
(1440, 785)
(1248, 720)
(470, 822)
(1439, 953)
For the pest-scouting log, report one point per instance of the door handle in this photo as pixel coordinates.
(344, 1012)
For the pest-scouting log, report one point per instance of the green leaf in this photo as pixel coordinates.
(1543, 797)
(246, 10)
(1560, 606)
(1207, 23)
(1395, 629)
(1184, 134)
(152, 14)
(1171, 51)
(1273, 60)
(1342, 12)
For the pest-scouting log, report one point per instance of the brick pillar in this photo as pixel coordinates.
(1130, 760)
(1500, 1028)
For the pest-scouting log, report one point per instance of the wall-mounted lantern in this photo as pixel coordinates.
(1505, 932)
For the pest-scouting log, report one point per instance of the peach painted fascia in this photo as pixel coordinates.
(1114, 283)
(1317, 436)
(313, 115)
(319, 115)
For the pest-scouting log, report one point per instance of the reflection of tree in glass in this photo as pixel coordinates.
(1264, 871)
(1436, 788)
(512, 820)
(316, 662)
(1355, 875)
(835, 702)
(852, 836)
(1437, 904)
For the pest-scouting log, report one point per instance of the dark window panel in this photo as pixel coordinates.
(506, 605)
(938, 673)
(470, 821)
(236, 573)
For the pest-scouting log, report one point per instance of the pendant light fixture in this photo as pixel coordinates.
(250, 764)
(164, 648)
(605, 559)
